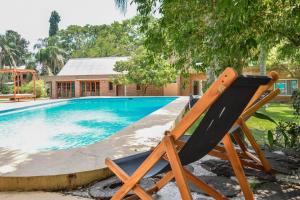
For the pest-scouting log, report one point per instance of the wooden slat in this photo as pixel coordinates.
(203, 186)
(256, 147)
(237, 168)
(160, 184)
(124, 177)
(262, 89)
(208, 98)
(177, 168)
(251, 110)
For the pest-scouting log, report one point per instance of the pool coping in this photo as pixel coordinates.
(53, 170)
(31, 104)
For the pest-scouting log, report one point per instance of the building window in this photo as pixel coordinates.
(89, 88)
(138, 87)
(110, 86)
(65, 89)
(287, 86)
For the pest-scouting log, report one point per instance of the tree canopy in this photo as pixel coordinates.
(145, 68)
(13, 49)
(54, 20)
(221, 33)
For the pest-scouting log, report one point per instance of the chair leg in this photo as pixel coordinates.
(166, 179)
(203, 186)
(124, 177)
(140, 172)
(239, 142)
(266, 165)
(160, 184)
(237, 167)
(177, 168)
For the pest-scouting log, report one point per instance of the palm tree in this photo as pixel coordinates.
(8, 52)
(52, 59)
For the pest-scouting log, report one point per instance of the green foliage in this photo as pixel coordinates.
(289, 133)
(296, 102)
(54, 20)
(117, 39)
(270, 139)
(6, 89)
(264, 116)
(146, 69)
(13, 49)
(40, 88)
(52, 57)
(221, 33)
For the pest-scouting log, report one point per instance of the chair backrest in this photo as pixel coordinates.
(220, 117)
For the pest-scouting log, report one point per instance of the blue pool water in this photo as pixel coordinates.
(73, 123)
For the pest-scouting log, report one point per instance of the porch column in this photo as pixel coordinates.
(77, 88)
(54, 89)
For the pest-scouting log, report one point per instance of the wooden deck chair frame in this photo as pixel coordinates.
(168, 149)
(259, 160)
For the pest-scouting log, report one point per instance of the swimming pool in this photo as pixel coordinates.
(73, 123)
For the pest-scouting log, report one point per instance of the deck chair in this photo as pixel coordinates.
(257, 161)
(222, 111)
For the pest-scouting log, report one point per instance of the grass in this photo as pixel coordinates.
(260, 127)
(277, 112)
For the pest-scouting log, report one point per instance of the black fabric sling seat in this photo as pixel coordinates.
(217, 121)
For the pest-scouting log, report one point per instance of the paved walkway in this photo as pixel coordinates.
(37, 196)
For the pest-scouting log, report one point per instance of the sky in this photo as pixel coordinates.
(30, 17)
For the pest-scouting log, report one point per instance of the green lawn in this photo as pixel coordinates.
(276, 111)
(260, 127)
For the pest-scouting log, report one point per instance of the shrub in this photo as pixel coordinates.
(287, 135)
(7, 89)
(288, 132)
(40, 88)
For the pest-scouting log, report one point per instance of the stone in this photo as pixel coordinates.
(284, 162)
(290, 179)
(107, 188)
(79, 193)
(223, 168)
(275, 191)
(224, 185)
(200, 171)
(171, 192)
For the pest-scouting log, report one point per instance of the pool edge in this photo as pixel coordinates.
(65, 180)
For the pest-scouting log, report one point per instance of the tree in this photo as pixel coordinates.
(51, 57)
(54, 20)
(221, 33)
(117, 39)
(145, 69)
(13, 49)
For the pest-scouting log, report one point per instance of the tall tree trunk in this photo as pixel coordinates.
(262, 59)
(211, 72)
(145, 89)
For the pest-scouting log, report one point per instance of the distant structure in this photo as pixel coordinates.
(82, 77)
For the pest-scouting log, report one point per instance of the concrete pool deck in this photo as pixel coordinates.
(53, 170)
(11, 105)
